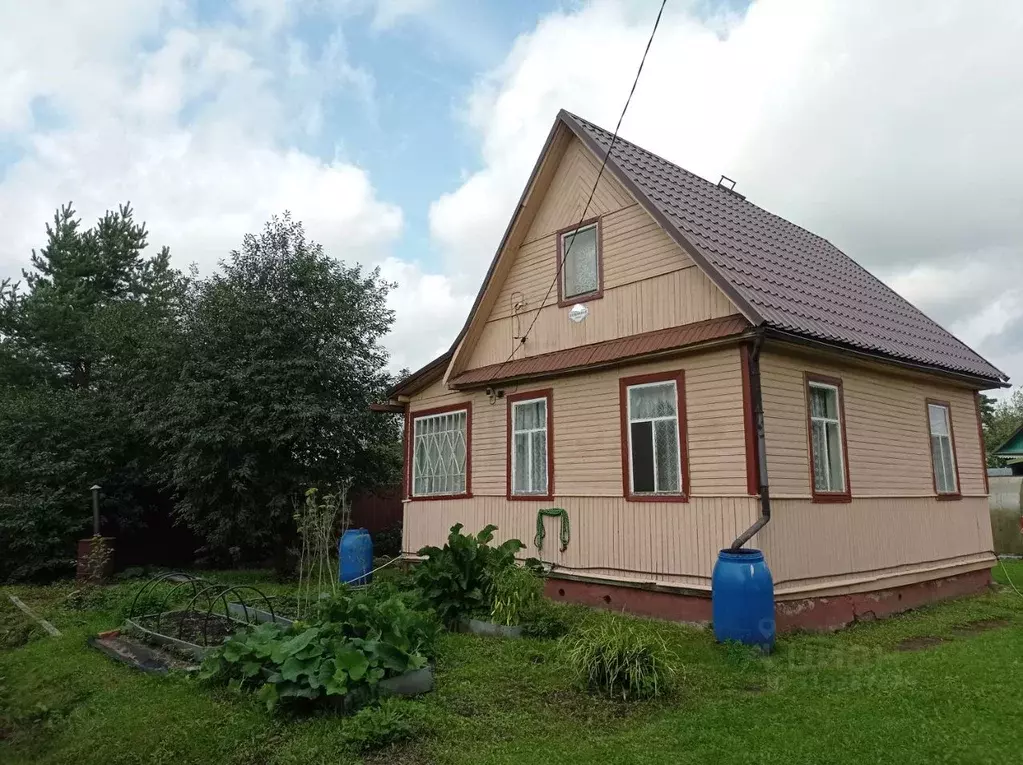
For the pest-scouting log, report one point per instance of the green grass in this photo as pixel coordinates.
(849, 697)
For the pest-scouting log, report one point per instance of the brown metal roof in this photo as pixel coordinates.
(778, 274)
(607, 352)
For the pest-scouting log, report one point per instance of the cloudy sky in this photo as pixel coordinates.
(402, 131)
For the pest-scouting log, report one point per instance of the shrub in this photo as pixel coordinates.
(515, 589)
(392, 721)
(388, 541)
(617, 657)
(457, 579)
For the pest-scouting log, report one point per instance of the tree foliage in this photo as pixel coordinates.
(230, 395)
(280, 359)
(66, 343)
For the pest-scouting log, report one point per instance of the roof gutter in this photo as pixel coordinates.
(756, 394)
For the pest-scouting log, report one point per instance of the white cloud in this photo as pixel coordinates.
(189, 123)
(890, 128)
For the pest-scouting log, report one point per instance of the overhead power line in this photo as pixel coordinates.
(603, 164)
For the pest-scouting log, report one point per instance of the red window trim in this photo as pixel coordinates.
(544, 393)
(827, 496)
(559, 270)
(624, 383)
(980, 437)
(944, 495)
(410, 446)
(749, 426)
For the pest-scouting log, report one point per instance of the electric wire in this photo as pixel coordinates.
(574, 232)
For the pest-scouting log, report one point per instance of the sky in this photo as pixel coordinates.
(401, 132)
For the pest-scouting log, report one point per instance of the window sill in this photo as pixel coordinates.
(529, 497)
(656, 497)
(434, 497)
(825, 498)
(584, 298)
(948, 497)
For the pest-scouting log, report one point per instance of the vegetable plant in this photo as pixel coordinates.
(339, 661)
(457, 580)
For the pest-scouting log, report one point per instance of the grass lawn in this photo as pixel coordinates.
(856, 696)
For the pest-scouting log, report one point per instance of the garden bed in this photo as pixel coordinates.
(191, 633)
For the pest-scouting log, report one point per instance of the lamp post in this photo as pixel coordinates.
(95, 510)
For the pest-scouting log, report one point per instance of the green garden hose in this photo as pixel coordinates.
(552, 512)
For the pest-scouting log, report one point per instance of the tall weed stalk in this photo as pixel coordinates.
(321, 523)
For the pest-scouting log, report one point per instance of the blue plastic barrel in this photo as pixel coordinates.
(355, 557)
(742, 597)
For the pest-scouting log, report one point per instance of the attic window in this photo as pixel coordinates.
(579, 257)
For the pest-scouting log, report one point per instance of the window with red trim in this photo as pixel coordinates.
(530, 445)
(825, 419)
(654, 460)
(441, 452)
(580, 263)
(943, 448)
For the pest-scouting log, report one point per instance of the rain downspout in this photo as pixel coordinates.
(761, 450)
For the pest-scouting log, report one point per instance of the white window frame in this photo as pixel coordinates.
(678, 440)
(837, 420)
(466, 411)
(954, 474)
(565, 252)
(531, 431)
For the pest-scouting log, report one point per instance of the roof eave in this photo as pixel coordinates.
(977, 381)
(421, 377)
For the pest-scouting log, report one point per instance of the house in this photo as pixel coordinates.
(630, 396)
(1012, 452)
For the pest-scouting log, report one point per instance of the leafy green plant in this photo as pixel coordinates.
(392, 721)
(457, 579)
(382, 613)
(618, 658)
(358, 641)
(546, 620)
(515, 589)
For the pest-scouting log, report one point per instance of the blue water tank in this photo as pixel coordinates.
(742, 597)
(355, 557)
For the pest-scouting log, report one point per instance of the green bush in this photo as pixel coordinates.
(392, 721)
(457, 579)
(618, 657)
(388, 541)
(515, 589)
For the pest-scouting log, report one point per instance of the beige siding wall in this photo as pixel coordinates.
(654, 541)
(649, 282)
(666, 542)
(894, 527)
(587, 428)
(858, 544)
(886, 429)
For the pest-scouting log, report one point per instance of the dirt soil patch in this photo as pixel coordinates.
(981, 625)
(919, 643)
(198, 627)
